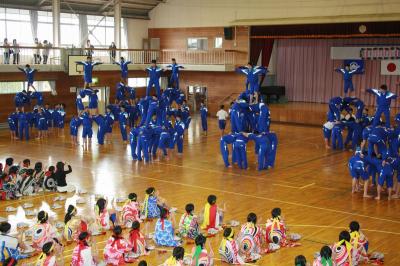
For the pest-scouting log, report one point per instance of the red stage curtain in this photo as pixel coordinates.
(261, 45)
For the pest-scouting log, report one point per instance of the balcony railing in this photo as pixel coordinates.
(58, 56)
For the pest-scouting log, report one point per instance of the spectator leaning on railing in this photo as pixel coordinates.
(113, 52)
(46, 50)
(6, 52)
(36, 56)
(89, 48)
(15, 51)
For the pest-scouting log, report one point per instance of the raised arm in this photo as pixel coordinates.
(80, 63)
(21, 69)
(374, 91)
(97, 63)
(117, 63)
(341, 70)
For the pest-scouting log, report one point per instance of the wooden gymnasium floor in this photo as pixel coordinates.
(310, 184)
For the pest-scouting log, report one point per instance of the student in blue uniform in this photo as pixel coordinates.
(87, 130)
(123, 121)
(240, 150)
(88, 66)
(252, 82)
(271, 153)
(164, 142)
(41, 124)
(94, 103)
(337, 136)
(133, 141)
(264, 118)
(132, 94)
(358, 169)
(30, 76)
(179, 131)
(120, 92)
(224, 141)
(101, 130)
(23, 125)
(262, 148)
(203, 115)
(38, 96)
(124, 68)
(109, 119)
(335, 106)
(73, 129)
(184, 111)
(144, 136)
(21, 98)
(377, 141)
(13, 124)
(154, 78)
(79, 103)
(347, 78)
(383, 101)
(386, 176)
(152, 109)
(174, 80)
(48, 114)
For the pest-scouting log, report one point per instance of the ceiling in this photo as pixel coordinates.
(138, 9)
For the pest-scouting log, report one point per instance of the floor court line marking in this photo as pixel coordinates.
(254, 196)
(306, 186)
(340, 227)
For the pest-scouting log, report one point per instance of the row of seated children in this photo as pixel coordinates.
(23, 180)
(39, 122)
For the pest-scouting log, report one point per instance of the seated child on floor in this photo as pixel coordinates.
(103, 216)
(177, 257)
(74, 225)
(152, 204)
(200, 256)
(48, 256)
(229, 249)
(44, 232)
(343, 253)
(164, 230)
(116, 248)
(324, 257)
(137, 240)
(188, 224)
(131, 211)
(83, 254)
(50, 180)
(213, 216)
(250, 239)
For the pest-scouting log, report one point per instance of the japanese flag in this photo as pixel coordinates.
(390, 67)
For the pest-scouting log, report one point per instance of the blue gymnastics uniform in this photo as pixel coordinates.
(38, 96)
(335, 106)
(93, 101)
(41, 122)
(131, 92)
(164, 142)
(87, 131)
(224, 141)
(151, 110)
(79, 103)
(178, 138)
(357, 167)
(123, 121)
(271, 155)
(48, 114)
(240, 150)
(175, 74)
(124, 68)
(203, 115)
(263, 149)
(337, 136)
(144, 139)
(21, 98)
(378, 136)
(120, 93)
(88, 69)
(386, 173)
(23, 126)
(185, 114)
(101, 131)
(74, 125)
(12, 121)
(383, 101)
(29, 74)
(264, 118)
(154, 80)
(109, 116)
(133, 140)
(347, 79)
(252, 75)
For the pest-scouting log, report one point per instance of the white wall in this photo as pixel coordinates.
(209, 13)
(137, 31)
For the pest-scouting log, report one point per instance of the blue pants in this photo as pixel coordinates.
(174, 81)
(179, 142)
(236, 125)
(187, 122)
(357, 173)
(133, 145)
(164, 142)
(122, 128)
(262, 156)
(381, 146)
(156, 84)
(221, 124)
(386, 177)
(143, 146)
(327, 133)
(204, 123)
(87, 132)
(241, 156)
(348, 85)
(224, 152)
(23, 129)
(337, 138)
(377, 117)
(271, 152)
(154, 144)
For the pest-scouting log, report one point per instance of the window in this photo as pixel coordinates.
(69, 29)
(138, 82)
(13, 87)
(197, 44)
(218, 42)
(15, 24)
(101, 30)
(45, 26)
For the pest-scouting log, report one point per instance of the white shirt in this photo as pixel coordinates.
(222, 115)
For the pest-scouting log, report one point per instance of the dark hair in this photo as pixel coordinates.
(275, 239)
(135, 225)
(252, 218)
(82, 237)
(354, 226)
(383, 87)
(189, 208)
(173, 59)
(150, 190)
(27, 65)
(221, 106)
(276, 212)
(227, 231)
(153, 61)
(200, 240)
(142, 263)
(52, 168)
(326, 252)
(47, 247)
(26, 161)
(178, 253)
(212, 199)
(38, 166)
(60, 166)
(13, 170)
(42, 217)
(88, 57)
(300, 260)
(344, 235)
(68, 215)
(347, 65)
(249, 63)
(9, 161)
(101, 204)
(132, 196)
(29, 172)
(5, 227)
(117, 230)
(163, 213)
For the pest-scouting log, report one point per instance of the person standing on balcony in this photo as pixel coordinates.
(174, 80)
(113, 52)
(89, 48)
(154, 78)
(30, 75)
(87, 70)
(16, 50)
(46, 50)
(6, 52)
(124, 69)
(252, 83)
(36, 56)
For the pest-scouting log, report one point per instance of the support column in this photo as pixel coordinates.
(117, 23)
(56, 23)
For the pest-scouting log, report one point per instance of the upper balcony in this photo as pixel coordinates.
(60, 59)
